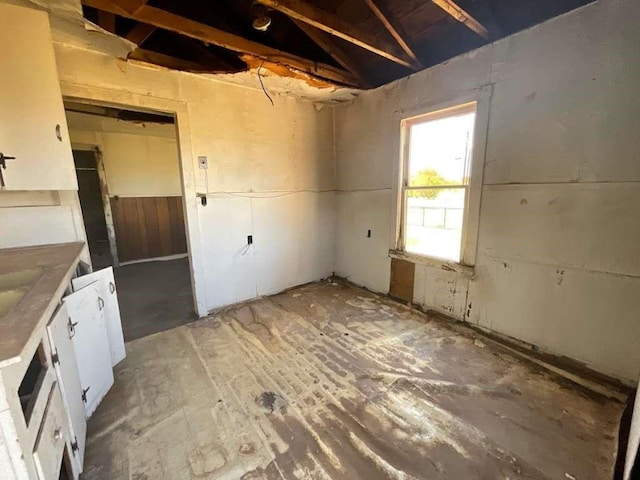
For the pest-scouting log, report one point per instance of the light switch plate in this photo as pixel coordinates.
(202, 162)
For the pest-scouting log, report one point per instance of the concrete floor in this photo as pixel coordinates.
(329, 381)
(154, 296)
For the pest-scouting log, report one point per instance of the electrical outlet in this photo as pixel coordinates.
(202, 162)
(368, 233)
(249, 239)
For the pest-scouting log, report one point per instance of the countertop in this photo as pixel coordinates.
(53, 266)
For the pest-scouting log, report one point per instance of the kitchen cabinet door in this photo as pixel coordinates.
(89, 337)
(33, 128)
(68, 375)
(111, 309)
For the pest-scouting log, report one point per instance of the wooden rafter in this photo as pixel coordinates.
(324, 41)
(462, 16)
(107, 20)
(394, 30)
(140, 33)
(168, 61)
(206, 33)
(208, 58)
(330, 23)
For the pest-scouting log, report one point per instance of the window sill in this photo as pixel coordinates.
(466, 270)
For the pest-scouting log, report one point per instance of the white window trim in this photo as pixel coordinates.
(471, 222)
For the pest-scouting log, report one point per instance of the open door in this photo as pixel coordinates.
(67, 371)
(111, 311)
(89, 337)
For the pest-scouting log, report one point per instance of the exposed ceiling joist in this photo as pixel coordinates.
(324, 41)
(167, 61)
(131, 6)
(462, 16)
(206, 33)
(208, 58)
(140, 33)
(394, 30)
(107, 21)
(330, 23)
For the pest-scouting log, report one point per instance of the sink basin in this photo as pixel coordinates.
(21, 278)
(10, 298)
(14, 285)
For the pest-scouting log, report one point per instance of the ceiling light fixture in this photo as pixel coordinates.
(261, 18)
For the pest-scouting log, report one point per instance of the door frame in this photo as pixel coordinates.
(132, 101)
(106, 200)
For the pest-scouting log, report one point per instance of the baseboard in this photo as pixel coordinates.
(155, 259)
(570, 369)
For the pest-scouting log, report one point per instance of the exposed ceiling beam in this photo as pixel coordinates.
(200, 31)
(394, 30)
(168, 61)
(462, 16)
(107, 21)
(326, 43)
(131, 6)
(330, 23)
(209, 58)
(140, 33)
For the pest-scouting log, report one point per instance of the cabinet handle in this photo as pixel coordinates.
(112, 287)
(71, 326)
(3, 159)
(57, 433)
(3, 164)
(58, 133)
(100, 303)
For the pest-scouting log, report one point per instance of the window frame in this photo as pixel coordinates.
(479, 98)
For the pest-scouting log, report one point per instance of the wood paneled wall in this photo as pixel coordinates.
(148, 227)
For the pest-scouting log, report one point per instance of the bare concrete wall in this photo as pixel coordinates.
(558, 256)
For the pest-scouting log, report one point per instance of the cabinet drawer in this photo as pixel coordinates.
(49, 446)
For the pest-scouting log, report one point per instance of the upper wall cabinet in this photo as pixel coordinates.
(33, 128)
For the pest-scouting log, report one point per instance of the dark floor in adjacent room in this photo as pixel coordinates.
(328, 381)
(154, 296)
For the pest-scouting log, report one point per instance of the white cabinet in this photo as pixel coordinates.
(111, 310)
(55, 359)
(33, 126)
(90, 343)
(66, 367)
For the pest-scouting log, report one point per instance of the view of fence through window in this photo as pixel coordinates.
(437, 181)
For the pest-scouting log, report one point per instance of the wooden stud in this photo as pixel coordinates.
(200, 31)
(330, 23)
(394, 30)
(462, 16)
(140, 33)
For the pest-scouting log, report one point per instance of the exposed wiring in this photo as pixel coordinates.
(262, 84)
(245, 250)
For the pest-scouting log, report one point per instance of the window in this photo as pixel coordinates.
(436, 182)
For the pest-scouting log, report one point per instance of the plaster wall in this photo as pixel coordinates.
(271, 168)
(558, 260)
(140, 160)
(270, 175)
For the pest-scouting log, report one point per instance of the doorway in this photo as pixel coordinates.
(93, 209)
(131, 197)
